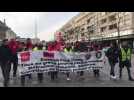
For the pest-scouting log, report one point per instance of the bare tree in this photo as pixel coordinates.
(119, 16)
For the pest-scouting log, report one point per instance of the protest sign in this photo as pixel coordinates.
(45, 61)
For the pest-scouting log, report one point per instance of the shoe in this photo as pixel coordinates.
(5, 84)
(95, 75)
(40, 81)
(14, 75)
(131, 79)
(112, 77)
(22, 84)
(68, 79)
(120, 77)
(30, 77)
(98, 74)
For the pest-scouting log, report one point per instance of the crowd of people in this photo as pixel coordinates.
(115, 54)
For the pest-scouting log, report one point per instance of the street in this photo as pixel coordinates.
(88, 80)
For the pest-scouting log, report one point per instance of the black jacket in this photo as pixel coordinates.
(83, 47)
(113, 54)
(5, 54)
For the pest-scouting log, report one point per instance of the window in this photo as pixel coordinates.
(82, 29)
(103, 29)
(82, 34)
(112, 18)
(88, 21)
(113, 26)
(91, 29)
(103, 21)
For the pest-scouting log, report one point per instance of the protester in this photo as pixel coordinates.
(35, 47)
(29, 47)
(40, 75)
(76, 46)
(52, 47)
(125, 54)
(96, 71)
(14, 46)
(112, 55)
(44, 45)
(5, 61)
(8, 55)
(68, 49)
(22, 49)
(29, 44)
(83, 48)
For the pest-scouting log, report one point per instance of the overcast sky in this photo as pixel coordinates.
(23, 23)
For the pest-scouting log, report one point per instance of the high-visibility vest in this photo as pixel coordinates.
(125, 55)
(44, 48)
(67, 51)
(35, 49)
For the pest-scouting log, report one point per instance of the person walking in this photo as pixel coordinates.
(125, 54)
(82, 48)
(36, 48)
(14, 46)
(52, 47)
(22, 48)
(5, 61)
(96, 71)
(29, 47)
(112, 55)
(68, 49)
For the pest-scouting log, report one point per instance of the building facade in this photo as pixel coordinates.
(99, 26)
(6, 32)
(10, 34)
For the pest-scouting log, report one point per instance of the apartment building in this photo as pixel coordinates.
(99, 26)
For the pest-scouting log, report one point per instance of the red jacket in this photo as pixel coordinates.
(29, 45)
(13, 45)
(51, 48)
(59, 46)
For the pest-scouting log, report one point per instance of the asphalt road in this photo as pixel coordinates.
(88, 80)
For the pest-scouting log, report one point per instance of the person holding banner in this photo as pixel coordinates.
(5, 61)
(96, 71)
(68, 49)
(22, 49)
(36, 48)
(26, 47)
(29, 47)
(53, 47)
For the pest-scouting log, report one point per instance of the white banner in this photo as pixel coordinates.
(44, 61)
